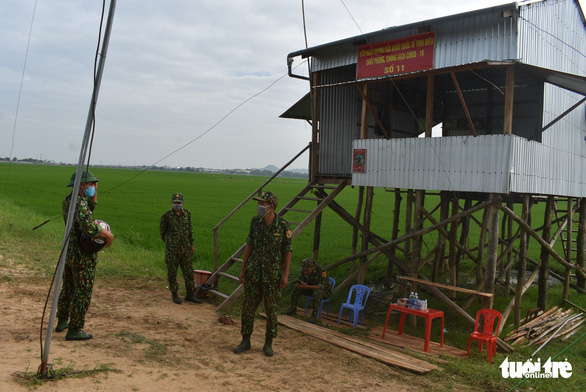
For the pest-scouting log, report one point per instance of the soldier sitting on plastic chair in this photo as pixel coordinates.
(313, 282)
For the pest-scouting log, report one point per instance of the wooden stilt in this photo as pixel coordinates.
(408, 221)
(492, 254)
(581, 244)
(481, 242)
(395, 230)
(544, 258)
(357, 219)
(463, 235)
(510, 241)
(316, 237)
(569, 238)
(438, 262)
(452, 251)
(365, 235)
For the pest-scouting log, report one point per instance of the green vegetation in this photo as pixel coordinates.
(132, 204)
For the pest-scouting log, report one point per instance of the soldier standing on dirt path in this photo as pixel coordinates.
(177, 233)
(265, 269)
(80, 266)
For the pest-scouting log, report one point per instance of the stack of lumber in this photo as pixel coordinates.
(553, 324)
(359, 346)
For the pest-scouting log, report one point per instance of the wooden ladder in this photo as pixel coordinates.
(322, 203)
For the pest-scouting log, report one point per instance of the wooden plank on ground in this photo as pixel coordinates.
(383, 355)
(413, 343)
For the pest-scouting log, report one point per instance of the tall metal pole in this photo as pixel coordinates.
(72, 205)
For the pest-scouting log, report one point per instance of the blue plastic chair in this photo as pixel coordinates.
(358, 305)
(332, 285)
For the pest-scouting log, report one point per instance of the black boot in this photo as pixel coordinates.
(62, 325)
(192, 298)
(243, 346)
(176, 298)
(268, 347)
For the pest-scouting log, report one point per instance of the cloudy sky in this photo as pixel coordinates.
(174, 69)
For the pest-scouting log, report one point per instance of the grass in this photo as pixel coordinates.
(133, 205)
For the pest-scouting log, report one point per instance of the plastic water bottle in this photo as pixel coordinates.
(411, 300)
(416, 301)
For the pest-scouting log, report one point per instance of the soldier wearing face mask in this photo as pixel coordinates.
(265, 269)
(177, 233)
(80, 266)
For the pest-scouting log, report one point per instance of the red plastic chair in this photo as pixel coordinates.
(488, 332)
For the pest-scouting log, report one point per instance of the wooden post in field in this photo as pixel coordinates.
(492, 254)
(418, 225)
(452, 251)
(317, 236)
(366, 234)
(463, 234)
(355, 231)
(522, 265)
(544, 258)
(408, 220)
(569, 245)
(509, 261)
(481, 243)
(581, 244)
(438, 262)
(395, 230)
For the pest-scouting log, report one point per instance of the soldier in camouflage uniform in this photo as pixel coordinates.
(80, 266)
(177, 232)
(265, 269)
(313, 281)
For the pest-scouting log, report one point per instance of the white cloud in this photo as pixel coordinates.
(173, 70)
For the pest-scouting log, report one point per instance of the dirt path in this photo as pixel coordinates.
(160, 346)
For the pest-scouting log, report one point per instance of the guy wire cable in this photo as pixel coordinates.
(205, 132)
(18, 99)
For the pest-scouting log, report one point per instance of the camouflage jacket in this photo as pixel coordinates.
(269, 246)
(177, 231)
(83, 223)
(318, 277)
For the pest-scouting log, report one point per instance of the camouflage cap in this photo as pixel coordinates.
(177, 197)
(268, 197)
(86, 176)
(307, 263)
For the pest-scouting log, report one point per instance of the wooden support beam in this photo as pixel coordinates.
(406, 237)
(364, 121)
(447, 287)
(365, 234)
(395, 229)
(544, 257)
(365, 101)
(542, 242)
(438, 262)
(509, 98)
(429, 106)
(492, 255)
(581, 244)
(463, 103)
(452, 248)
(522, 265)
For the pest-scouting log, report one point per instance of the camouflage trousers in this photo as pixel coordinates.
(78, 284)
(318, 296)
(254, 292)
(173, 262)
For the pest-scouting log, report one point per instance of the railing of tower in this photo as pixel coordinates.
(257, 192)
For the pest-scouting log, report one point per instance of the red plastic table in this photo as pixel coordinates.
(428, 315)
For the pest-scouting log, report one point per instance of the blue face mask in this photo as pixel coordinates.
(90, 192)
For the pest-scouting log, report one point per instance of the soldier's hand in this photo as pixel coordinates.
(108, 236)
(241, 276)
